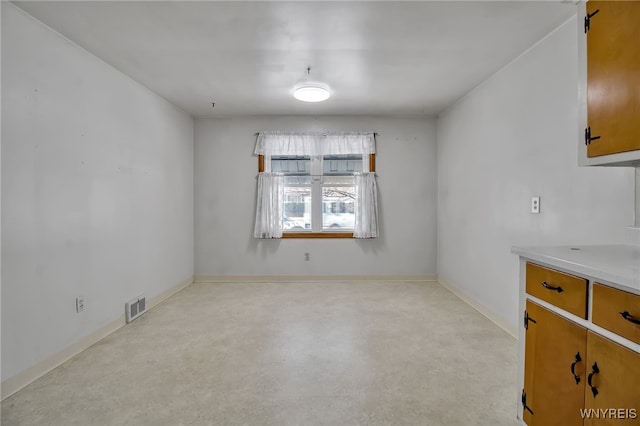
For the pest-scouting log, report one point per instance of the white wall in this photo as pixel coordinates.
(225, 187)
(97, 192)
(515, 137)
(0, 205)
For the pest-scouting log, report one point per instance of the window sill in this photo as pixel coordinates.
(317, 235)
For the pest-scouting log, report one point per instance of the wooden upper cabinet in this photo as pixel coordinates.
(613, 77)
(554, 378)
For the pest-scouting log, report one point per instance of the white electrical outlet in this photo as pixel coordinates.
(307, 257)
(79, 304)
(535, 205)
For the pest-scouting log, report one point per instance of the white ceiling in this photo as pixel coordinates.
(379, 58)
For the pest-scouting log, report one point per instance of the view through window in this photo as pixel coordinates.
(319, 192)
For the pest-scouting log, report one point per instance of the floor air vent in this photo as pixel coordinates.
(135, 307)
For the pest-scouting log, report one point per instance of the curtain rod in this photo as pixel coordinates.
(327, 176)
(323, 134)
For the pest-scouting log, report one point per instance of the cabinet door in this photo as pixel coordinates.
(613, 76)
(554, 347)
(616, 400)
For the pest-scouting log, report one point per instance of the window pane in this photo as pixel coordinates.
(338, 208)
(297, 180)
(291, 165)
(338, 180)
(342, 164)
(297, 208)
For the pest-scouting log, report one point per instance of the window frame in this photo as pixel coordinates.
(321, 234)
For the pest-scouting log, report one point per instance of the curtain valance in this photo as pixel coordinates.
(303, 144)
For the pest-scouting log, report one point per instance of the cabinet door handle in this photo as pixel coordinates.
(626, 315)
(550, 287)
(573, 367)
(594, 370)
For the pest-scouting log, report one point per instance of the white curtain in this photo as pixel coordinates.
(269, 209)
(366, 206)
(286, 143)
(269, 206)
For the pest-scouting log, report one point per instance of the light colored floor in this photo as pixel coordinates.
(375, 353)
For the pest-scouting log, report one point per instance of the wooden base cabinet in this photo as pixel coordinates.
(576, 377)
(573, 372)
(554, 382)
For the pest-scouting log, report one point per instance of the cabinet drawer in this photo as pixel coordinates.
(608, 306)
(562, 290)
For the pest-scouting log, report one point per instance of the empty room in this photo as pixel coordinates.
(316, 213)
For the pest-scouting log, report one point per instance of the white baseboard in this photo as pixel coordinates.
(22, 379)
(307, 278)
(500, 322)
(170, 292)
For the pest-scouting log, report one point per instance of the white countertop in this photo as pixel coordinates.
(617, 265)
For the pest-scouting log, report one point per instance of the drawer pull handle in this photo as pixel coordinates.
(550, 287)
(626, 315)
(573, 367)
(594, 370)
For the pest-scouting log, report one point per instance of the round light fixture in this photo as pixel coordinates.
(311, 92)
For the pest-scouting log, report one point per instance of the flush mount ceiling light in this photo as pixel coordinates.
(311, 92)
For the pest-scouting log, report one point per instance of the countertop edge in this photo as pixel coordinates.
(625, 282)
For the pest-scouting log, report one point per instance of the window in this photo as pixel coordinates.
(309, 186)
(319, 191)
